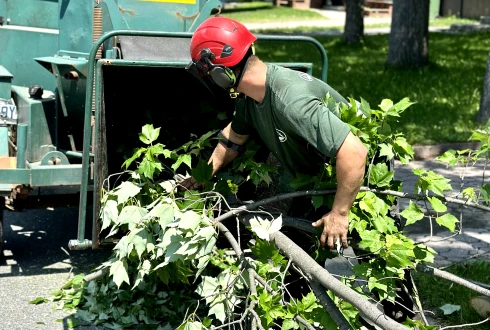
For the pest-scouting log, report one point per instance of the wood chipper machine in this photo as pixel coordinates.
(79, 79)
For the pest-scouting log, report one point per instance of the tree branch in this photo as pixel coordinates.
(314, 271)
(329, 306)
(418, 197)
(453, 278)
(304, 322)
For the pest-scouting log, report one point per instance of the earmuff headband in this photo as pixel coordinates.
(219, 74)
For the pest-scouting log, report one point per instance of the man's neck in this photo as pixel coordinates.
(252, 83)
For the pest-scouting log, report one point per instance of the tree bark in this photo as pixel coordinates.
(354, 21)
(409, 37)
(484, 111)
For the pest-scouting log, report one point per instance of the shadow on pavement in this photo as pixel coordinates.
(36, 243)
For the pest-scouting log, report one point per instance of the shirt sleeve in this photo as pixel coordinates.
(241, 123)
(311, 119)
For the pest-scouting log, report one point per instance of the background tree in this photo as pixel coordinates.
(409, 37)
(354, 21)
(484, 112)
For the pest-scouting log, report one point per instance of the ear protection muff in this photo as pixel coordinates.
(219, 74)
(222, 76)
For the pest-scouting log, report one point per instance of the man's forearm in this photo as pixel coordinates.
(221, 156)
(349, 181)
(350, 168)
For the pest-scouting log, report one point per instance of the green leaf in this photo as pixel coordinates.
(38, 300)
(447, 220)
(437, 205)
(289, 324)
(424, 253)
(149, 134)
(122, 247)
(149, 168)
(386, 150)
(380, 176)
(125, 191)
(156, 150)
(371, 240)
(189, 220)
(399, 256)
(163, 212)
(384, 129)
(109, 213)
(317, 201)
(403, 105)
(384, 224)
(135, 156)
(403, 149)
(208, 288)
(131, 215)
(186, 159)
(430, 181)
(386, 105)
(140, 240)
(378, 284)
(203, 172)
(485, 193)
(412, 213)
(449, 157)
(365, 108)
(119, 273)
(449, 309)
(301, 181)
(218, 309)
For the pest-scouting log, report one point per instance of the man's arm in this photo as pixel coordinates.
(221, 156)
(350, 167)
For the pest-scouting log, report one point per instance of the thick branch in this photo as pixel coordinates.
(255, 205)
(453, 278)
(329, 306)
(314, 271)
(425, 197)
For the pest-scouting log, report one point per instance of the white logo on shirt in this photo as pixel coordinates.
(305, 76)
(281, 135)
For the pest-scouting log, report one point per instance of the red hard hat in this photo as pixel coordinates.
(218, 33)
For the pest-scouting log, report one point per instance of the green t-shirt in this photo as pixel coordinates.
(294, 123)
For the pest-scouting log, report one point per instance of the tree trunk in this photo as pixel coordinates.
(354, 21)
(409, 37)
(484, 111)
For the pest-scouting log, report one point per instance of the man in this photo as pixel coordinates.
(284, 108)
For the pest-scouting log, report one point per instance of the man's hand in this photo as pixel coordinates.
(335, 226)
(189, 184)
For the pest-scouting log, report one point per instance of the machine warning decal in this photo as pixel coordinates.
(189, 2)
(8, 112)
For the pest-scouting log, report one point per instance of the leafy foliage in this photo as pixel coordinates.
(168, 269)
